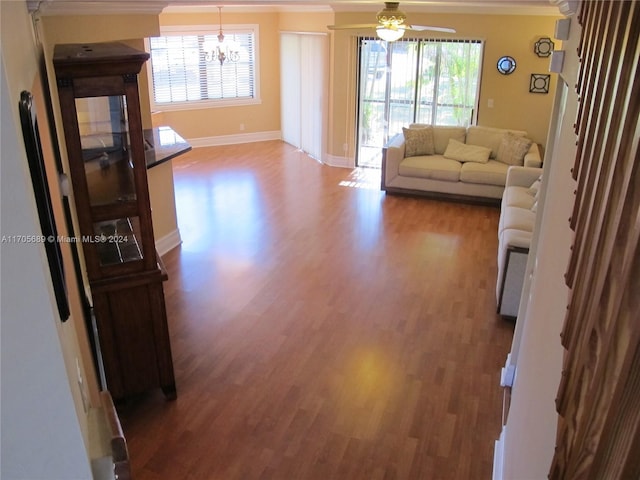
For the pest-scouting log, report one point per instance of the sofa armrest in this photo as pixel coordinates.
(392, 155)
(532, 157)
(522, 176)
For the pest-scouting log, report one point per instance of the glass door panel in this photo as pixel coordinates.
(422, 81)
(373, 95)
(402, 86)
(104, 137)
(117, 241)
(386, 96)
(429, 61)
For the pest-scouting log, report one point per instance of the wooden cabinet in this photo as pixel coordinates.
(100, 105)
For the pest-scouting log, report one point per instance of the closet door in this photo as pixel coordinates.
(290, 102)
(303, 88)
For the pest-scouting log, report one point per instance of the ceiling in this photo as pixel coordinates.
(506, 7)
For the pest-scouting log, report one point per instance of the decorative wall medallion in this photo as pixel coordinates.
(544, 47)
(539, 83)
(506, 65)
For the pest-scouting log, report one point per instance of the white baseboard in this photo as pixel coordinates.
(331, 160)
(508, 373)
(336, 161)
(234, 139)
(498, 458)
(168, 242)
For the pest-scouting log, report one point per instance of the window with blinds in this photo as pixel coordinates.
(187, 71)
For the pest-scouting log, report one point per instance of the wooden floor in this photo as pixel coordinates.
(322, 329)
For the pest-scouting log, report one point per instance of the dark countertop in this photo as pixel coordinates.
(162, 144)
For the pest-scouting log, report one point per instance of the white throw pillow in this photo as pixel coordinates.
(418, 141)
(535, 186)
(466, 153)
(443, 133)
(512, 149)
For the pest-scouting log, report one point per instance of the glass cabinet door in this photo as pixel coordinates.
(109, 171)
(117, 241)
(104, 138)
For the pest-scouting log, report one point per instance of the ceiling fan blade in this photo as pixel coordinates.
(352, 26)
(420, 28)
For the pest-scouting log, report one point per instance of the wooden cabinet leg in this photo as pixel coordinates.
(170, 392)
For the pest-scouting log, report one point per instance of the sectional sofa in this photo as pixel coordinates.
(456, 162)
(518, 210)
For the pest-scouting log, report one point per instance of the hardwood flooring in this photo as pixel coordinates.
(322, 329)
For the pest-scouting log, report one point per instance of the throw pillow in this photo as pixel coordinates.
(512, 149)
(535, 186)
(418, 141)
(466, 153)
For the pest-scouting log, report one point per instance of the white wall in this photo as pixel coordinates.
(41, 437)
(530, 432)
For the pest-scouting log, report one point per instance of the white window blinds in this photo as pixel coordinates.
(186, 68)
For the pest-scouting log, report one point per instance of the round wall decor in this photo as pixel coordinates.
(506, 65)
(544, 47)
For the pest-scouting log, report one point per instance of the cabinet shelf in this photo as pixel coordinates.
(117, 241)
(110, 179)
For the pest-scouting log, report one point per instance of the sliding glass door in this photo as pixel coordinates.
(408, 81)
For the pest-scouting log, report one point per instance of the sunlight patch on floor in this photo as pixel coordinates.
(367, 178)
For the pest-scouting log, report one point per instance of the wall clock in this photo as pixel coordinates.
(506, 65)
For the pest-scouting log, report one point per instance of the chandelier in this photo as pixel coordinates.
(222, 50)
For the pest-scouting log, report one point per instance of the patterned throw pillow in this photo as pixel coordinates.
(512, 149)
(418, 141)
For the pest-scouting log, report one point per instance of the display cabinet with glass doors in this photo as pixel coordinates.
(100, 108)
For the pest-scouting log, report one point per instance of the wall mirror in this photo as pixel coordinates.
(506, 65)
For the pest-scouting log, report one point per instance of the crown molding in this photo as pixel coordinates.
(155, 7)
(96, 7)
(464, 7)
(245, 7)
(566, 7)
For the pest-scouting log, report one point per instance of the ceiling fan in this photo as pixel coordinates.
(390, 26)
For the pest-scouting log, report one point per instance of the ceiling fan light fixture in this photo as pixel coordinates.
(391, 15)
(391, 24)
(390, 34)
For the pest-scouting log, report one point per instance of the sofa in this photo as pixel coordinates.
(468, 163)
(518, 209)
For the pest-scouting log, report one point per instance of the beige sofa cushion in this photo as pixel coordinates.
(466, 153)
(490, 173)
(515, 196)
(514, 218)
(434, 167)
(418, 141)
(489, 137)
(442, 134)
(535, 186)
(515, 238)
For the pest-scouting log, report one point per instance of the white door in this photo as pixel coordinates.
(303, 87)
